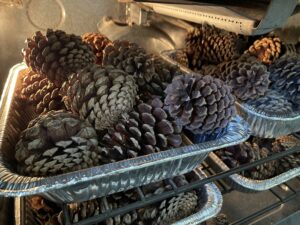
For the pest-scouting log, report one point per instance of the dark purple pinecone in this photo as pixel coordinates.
(201, 103)
(285, 77)
(57, 54)
(147, 129)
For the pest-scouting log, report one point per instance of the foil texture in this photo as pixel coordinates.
(245, 184)
(262, 124)
(101, 180)
(210, 204)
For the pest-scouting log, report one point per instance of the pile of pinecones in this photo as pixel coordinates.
(258, 148)
(99, 101)
(265, 74)
(163, 213)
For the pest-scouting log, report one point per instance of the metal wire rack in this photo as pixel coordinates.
(212, 177)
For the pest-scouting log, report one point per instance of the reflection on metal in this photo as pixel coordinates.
(12, 3)
(37, 11)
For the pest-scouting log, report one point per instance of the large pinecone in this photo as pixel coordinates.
(100, 95)
(201, 103)
(272, 103)
(41, 92)
(248, 81)
(131, 58)
(98, 42)
(177, 208)
(57, 54)
(247, 152)
(56, 142)
(285, 77)
(145, 130)
(209, 44)
(266, 49)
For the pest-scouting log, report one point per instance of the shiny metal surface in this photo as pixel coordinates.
(210, 204)
(97, 181)
(245, 184)
(262, 124)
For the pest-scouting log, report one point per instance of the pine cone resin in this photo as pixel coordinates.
(57, 54)
(98, 42)
(248, 81)
(201, 104)
(41, 92)
(145, 130)
(56, 142)
(285, 77)
(100, 95)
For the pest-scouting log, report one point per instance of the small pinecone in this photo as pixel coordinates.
(208, 44)
(56, 142)
(130, 58)
(248, 81)
(285, 77)
(57, 54)
(164, 73)
(200, 103)
(41, 92)
(98, 42)
(266, 49)
(220, 219)
(100, 95)
(181, 57)
(290, 161)
(211, 70)
(145, 130)
(249, 152)
(272, 103)
(177, 208)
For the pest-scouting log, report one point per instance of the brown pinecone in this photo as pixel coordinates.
(209, 44)
(285, 77)
(177, 208)
(272, 103)
(201, 103)
(98, 42)
(131, 58)
(145, 130)
(266, 49)
(41, 92)
(100, 95)
(181, 57)
(248, 81)
(57, 54)
(56, 142)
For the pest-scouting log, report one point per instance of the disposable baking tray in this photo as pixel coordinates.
(210, 204)
(245, 184)
(262, 124)
(101, 180)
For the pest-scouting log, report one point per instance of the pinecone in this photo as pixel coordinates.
(220, 219)
(130, 58)
(56, 142)
(285, 77)
(57, 54)
(248, 81)
(181, 57)
(249, 152)
(201, 103)
(145, 130)
(41, 92)
(266, 49)
(290, 161)
(208, 44)
(98, 42)
(100, 95)
(272, 103)
(177, 208)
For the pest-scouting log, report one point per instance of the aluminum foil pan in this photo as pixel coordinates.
(210, 205)
(262, 124)
(97, 181)
(245, 184)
